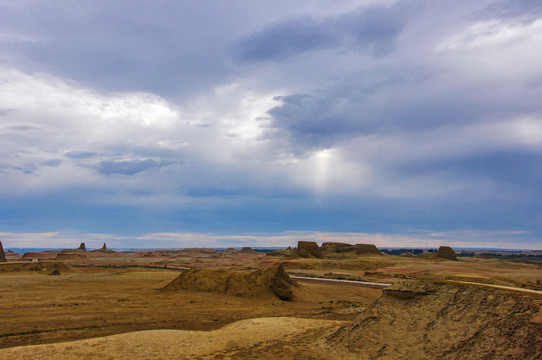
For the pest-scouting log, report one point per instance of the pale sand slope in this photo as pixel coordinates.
(234, 340)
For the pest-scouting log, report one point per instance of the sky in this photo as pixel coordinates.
(261, 123)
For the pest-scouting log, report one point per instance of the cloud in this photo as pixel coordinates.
(372, 30)
(284, 40)
(497, 50)
(370, 117)
(80, 154)
(130, 167)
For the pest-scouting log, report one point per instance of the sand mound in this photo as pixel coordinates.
(41, 266)
(308, 249)
(2, 254)
(244, 283)
(424, 320)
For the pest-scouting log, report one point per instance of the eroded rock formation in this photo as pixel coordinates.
(2, 254)
(307, 249)
(426, 320)
(446, 252)
(243, 283)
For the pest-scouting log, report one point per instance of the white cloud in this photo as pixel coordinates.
(45, 118)
(502, 50)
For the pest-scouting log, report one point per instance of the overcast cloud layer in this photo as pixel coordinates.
(214, 123)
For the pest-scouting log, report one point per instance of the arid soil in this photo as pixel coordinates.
(270, 338)
(89, 302)
(438, 320)
(117, 294)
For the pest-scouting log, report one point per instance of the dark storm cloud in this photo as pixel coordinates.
(517, 168)
(130, 167)
(372, 30)
(161, 47)
(313, 120)
(286, 39)
(362, 106)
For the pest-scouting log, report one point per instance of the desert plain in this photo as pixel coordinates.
(207, 304)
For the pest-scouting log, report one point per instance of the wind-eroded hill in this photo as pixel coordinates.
(426, 320)
(245, 283)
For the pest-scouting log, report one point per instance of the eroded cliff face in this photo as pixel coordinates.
(244, 283)
(2, 255)
(426, 320)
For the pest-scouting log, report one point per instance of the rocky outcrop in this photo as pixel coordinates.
(104, 249)
(273, 282)
(426, 320)
(2, 254)
(331, 249)
(366, 249)
(82, 248)
(308, 249)
(446, 252)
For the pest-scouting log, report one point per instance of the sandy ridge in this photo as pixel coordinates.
(177, 344)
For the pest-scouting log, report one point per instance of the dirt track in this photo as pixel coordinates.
(498, 287)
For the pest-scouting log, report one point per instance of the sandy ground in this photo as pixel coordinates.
(87, 303)
(253, 338)
(119, 312)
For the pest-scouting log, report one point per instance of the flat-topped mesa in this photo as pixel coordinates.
(367, 249)
(82, 247)
(446, 252)
(333, 248)
(70, 256)
(307, 249)
(2, 254)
